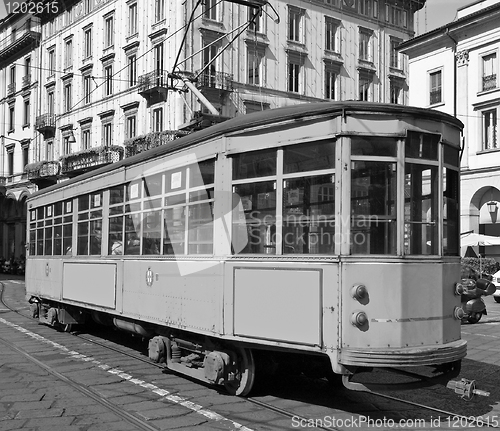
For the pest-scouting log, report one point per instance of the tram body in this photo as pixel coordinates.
(327, 230)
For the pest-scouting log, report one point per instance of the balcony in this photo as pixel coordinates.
(46, 125)
(26, 81)
(23, 37)
(489, 82)
(87, 160)
(143, 143)
(11, 89)
(44, 173)
(153, 86)
(215, 80)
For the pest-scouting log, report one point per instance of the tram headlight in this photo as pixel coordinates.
(359, 292)
(459, 289)
(359, 319)
(458, 313)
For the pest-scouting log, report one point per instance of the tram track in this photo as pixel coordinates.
(299, 418)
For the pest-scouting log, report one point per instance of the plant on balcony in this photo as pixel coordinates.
(142, 143)
(91, 157)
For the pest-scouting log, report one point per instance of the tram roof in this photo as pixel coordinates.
(262, 118)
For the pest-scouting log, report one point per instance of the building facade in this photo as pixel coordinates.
(114, 77)
(457, 65)
(19, 39)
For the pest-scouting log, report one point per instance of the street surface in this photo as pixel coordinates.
(53, 381)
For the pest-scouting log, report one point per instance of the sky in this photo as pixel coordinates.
(437, 13)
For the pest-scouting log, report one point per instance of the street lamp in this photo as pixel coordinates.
(492, 207)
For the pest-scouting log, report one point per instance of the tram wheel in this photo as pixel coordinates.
(244, 374)
(474, 318)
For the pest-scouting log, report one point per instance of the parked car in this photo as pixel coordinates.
(496, 282)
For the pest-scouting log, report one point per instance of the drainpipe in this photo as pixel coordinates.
(447, 33)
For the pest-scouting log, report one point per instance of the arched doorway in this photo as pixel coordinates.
(484, 217)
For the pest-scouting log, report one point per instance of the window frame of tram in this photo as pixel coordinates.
(421, 193)
(89, 225)
(373, 218)
(284, 200)
(451, 199)
(168, 213)
(51, 229)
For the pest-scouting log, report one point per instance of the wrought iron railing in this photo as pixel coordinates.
(216, 80)
(91, 158)
(143, 143)
(152, 80)
(489, 82)
(435, 97)
(45, 120)
(42, 169)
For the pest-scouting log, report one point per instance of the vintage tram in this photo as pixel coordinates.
(326, 231)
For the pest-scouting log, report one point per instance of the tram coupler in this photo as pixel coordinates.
(466, 388)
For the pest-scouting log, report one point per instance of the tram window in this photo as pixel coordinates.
(48, 241)
(89, 230)
(67, 238)
(421, 146)
(151, 232)
(39, 242)
(40, 213)
(58, 209)
(174, 227)
(200, 228)
(373, 146)
(309, 157)
(153, 185)
(202, 173)
(132, 234)
(32, 248)
(115, 241)
(83, 203)
(57, 240)
(175, 180)
(421, 209)
(258, 227)
(450, 212)
(373, 208)
(255, 164)
(309, 215)
(451, 156)
(133, 190)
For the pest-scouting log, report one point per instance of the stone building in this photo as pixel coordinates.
(454, 69)
(116, 77)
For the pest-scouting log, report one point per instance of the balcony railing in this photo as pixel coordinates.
(42, 170)
(489, 82)
(152, 81)
(435, 96)
(143, 143)
(46, 124)
(21, 38)
(26, 81)
(215, 80)
(92, 158)
(11, 89)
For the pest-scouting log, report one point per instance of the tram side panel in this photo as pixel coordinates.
(406, 305)
(291, 305)
(186, 295)
(44, 278)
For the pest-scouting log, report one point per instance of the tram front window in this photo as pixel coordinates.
(421, 205)
(373, 208)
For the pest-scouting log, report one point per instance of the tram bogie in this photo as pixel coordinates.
(327, 231)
